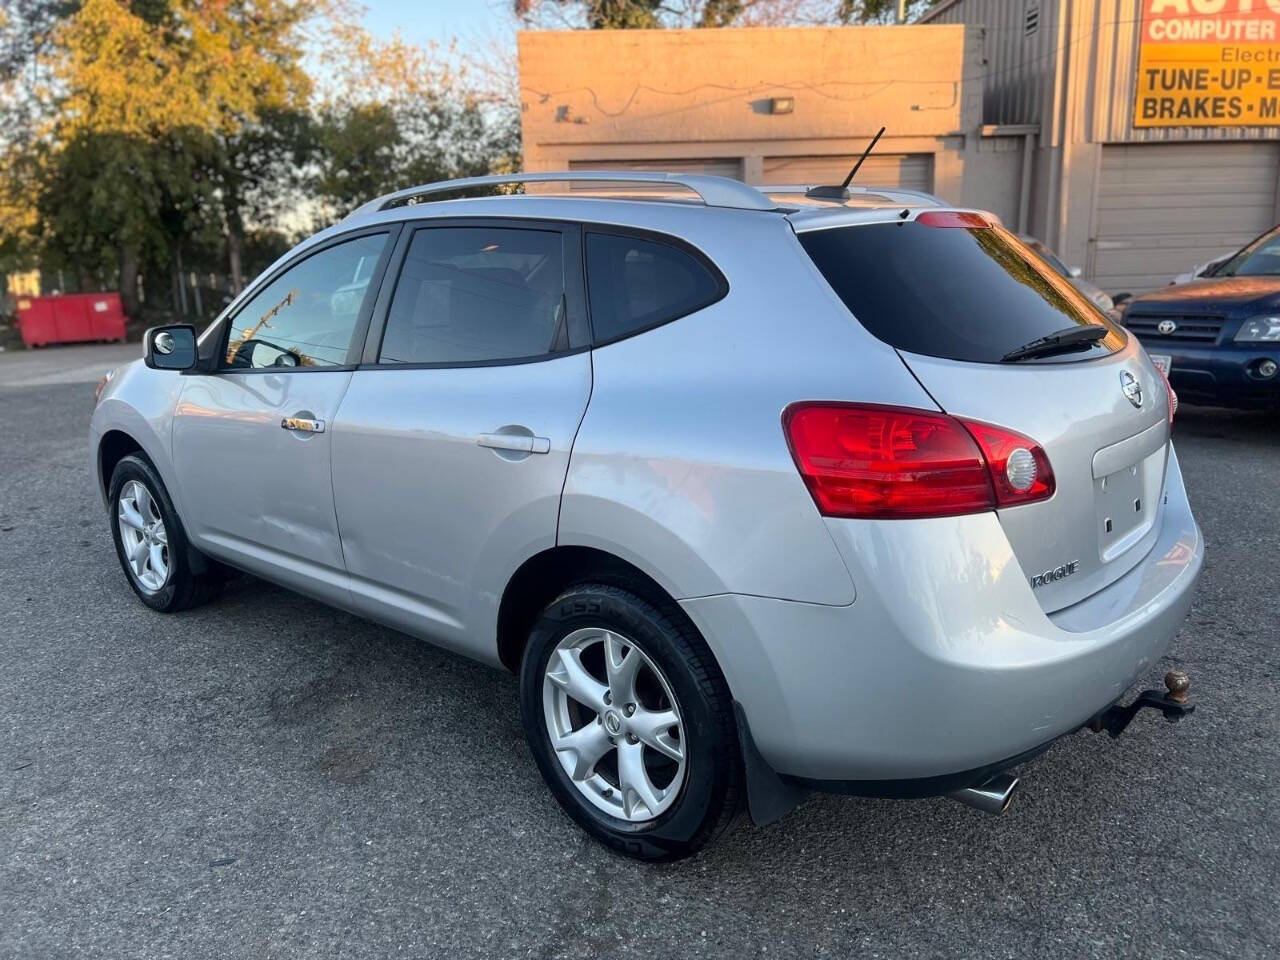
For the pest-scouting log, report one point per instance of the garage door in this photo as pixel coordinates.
(911, 170)
(1164, 208)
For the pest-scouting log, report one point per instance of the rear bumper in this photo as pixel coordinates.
(945, 664)
(1224, 375)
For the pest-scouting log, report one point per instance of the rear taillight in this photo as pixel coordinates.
(894, 462)
(1020, 470)
(1173, 397)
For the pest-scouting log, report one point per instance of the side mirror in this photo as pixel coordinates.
(170, 348)
(1076, 273)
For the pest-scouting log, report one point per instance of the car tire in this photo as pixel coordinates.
(676, 675)
(173, 575)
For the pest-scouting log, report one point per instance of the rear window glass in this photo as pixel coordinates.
(963, 293)
(635, 283)
(477, 295)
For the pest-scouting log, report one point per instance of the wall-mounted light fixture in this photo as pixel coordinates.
(782, 105)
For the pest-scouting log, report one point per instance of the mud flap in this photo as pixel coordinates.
(768, 797)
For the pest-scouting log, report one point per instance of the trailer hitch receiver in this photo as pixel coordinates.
(1173, 703)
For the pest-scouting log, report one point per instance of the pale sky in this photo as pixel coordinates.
(469, 21)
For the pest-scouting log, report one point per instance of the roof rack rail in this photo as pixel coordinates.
(714, 191)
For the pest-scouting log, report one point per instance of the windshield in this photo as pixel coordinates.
(959, 292)
(1259, 259)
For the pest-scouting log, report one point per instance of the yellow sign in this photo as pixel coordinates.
(1209, 63)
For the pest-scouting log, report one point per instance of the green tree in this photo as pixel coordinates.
(395, 115)
(653, 14)
(257, 173)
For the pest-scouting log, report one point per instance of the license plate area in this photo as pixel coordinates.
(1125, 503)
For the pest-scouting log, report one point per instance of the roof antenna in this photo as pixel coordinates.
(865, 153)
(837, 193)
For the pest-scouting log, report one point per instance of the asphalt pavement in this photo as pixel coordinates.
(267, 777)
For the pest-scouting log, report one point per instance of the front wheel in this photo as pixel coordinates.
(631, 723)
(151, 543)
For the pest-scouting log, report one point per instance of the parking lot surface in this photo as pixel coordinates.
(267, 777)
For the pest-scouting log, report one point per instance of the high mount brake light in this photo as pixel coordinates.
(952, 218)
(867, 461)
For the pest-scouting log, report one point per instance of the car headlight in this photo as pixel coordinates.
(1259, 329)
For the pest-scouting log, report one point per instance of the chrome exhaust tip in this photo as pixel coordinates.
(993, 797)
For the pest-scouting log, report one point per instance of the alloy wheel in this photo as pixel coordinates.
(615, 725)
(143, 537)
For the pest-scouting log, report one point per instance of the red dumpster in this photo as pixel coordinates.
(70, 318)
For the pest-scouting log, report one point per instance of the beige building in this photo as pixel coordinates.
(989, 104)
(773, 106)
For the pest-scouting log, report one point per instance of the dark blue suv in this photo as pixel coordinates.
(1218, 337)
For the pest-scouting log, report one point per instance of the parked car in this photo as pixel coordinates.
(1205, 269)
(1218, 338)
(735, 543)
(1074, 275)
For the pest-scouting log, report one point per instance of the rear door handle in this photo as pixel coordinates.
(302, 424)
(517, 442)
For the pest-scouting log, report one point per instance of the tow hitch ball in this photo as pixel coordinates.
(1172, 703)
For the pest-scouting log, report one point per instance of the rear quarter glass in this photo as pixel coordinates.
(958, 292)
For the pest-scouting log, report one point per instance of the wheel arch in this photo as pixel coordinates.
(543, 576)
(113, 447)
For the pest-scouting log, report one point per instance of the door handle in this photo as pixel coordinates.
(517, 442)
(302, 424)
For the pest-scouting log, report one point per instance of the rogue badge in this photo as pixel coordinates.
(1057, 573)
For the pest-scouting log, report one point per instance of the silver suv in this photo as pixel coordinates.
(757, 493)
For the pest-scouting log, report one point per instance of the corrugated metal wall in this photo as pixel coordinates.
(1018, 49)
(1025, 44)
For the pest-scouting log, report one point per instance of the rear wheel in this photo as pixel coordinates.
(630, 722)
(151, 543)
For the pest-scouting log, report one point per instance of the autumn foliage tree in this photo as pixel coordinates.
(145, 137)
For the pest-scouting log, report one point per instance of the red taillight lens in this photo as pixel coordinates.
(1019, 467)
(863, 461)
(1173, 397)
(894, 462)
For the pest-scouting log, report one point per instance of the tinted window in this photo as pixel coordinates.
(1259, 259)
(635, 283)
(307, 315)
(1049, 257)
(473, 294)
(961, 293)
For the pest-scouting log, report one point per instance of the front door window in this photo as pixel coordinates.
(307, 315)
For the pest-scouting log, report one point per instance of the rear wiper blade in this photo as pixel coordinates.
(1060, 340)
